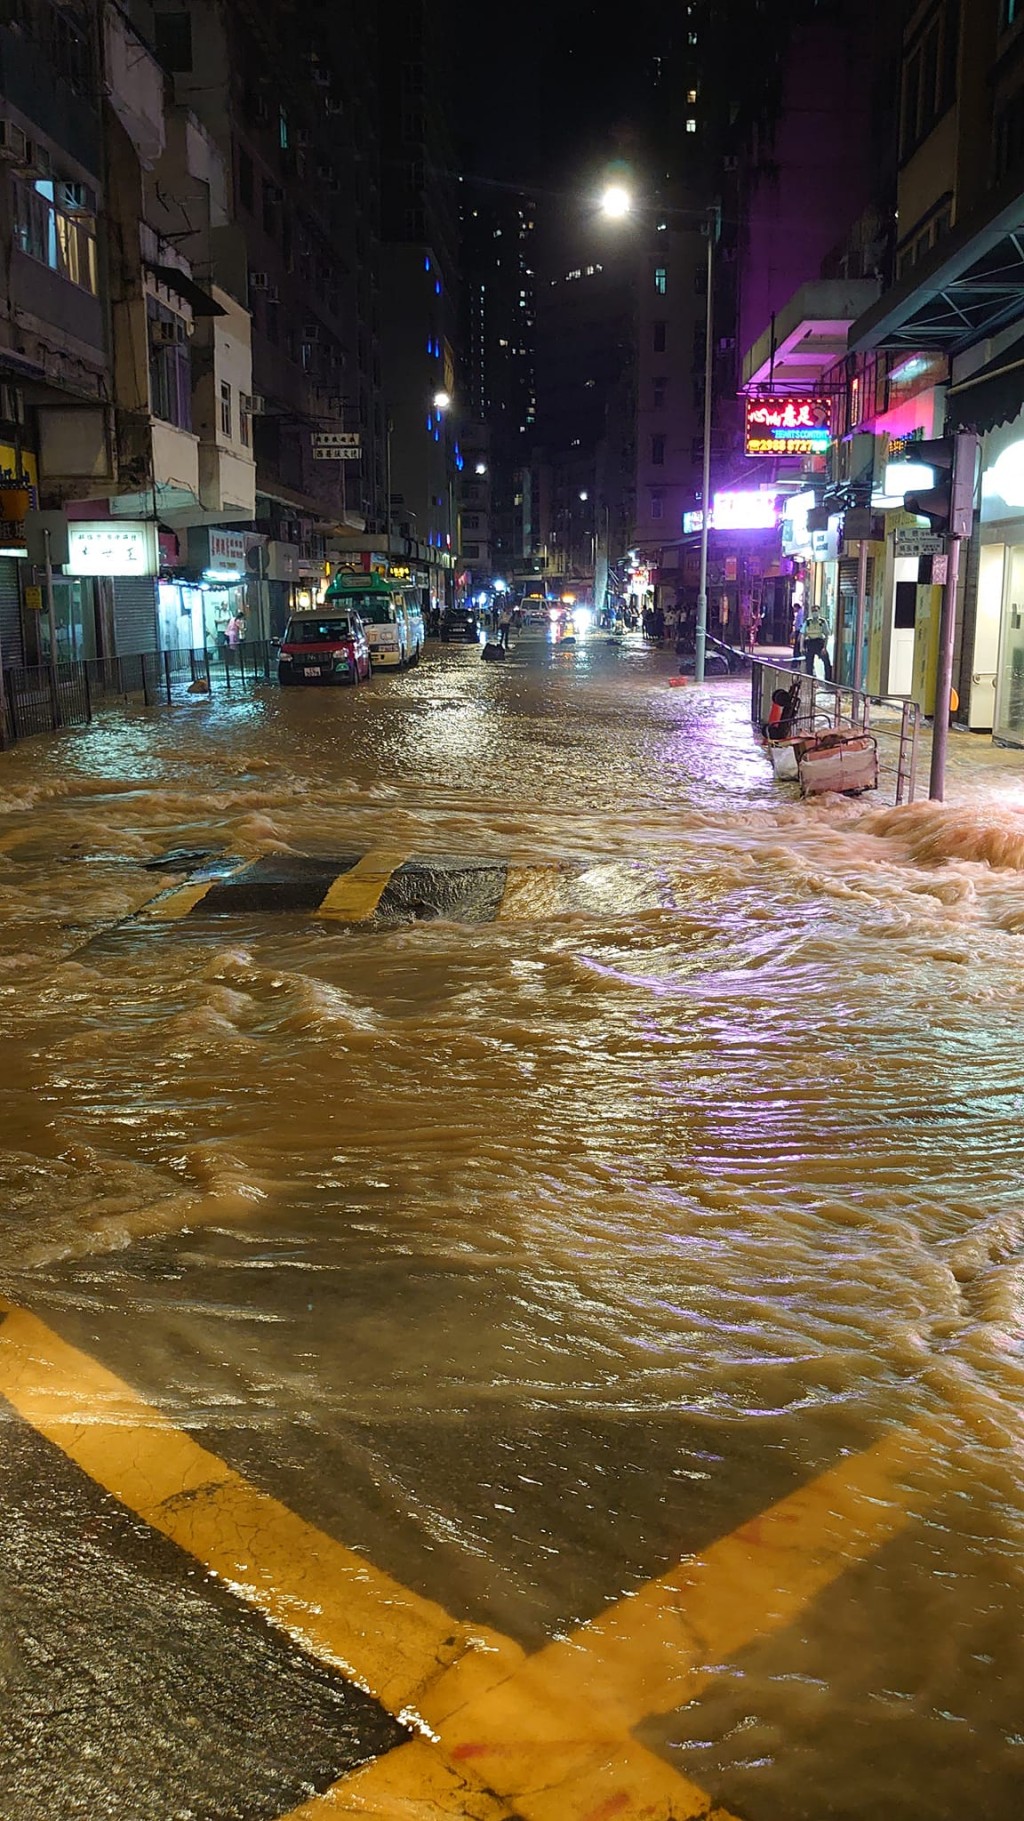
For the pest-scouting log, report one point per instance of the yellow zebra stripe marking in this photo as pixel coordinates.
(356, 894)
(533, 892)
(178, 903)
(545, 1737)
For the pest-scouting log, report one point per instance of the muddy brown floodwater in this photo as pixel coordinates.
(532, 1256)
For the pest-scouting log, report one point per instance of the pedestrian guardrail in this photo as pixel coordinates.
(894, 721)
(43, 698)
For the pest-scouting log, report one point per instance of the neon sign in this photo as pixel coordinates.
(793, 424)
(744, 511)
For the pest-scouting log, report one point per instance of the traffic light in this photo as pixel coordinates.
(949, 505)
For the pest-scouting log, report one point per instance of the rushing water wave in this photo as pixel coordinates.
(537, 1250)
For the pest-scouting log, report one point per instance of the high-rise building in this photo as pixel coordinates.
(498, 337)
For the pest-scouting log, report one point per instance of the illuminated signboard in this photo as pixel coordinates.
(744, 511)
(788, 425)
(127, 547)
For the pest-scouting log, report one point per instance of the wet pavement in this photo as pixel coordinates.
(513, 1146)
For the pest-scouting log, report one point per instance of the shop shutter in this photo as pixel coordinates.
(134, 614)
(11, 642)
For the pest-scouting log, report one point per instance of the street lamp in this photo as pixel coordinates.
(584, 496)
(617, 203)
(442, 401)
(481, 468)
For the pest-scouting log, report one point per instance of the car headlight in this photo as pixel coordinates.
(284, 657)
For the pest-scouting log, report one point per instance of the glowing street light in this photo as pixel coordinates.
(584, 495)
(481, 468)
(616, 201)
(442, 401)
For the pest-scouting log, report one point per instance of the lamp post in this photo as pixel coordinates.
(616, 203)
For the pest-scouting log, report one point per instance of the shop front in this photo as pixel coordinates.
(997, 673)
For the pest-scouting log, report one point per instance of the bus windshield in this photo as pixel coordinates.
(375, 609)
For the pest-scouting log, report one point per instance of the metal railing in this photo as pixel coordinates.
(43, 698)
(894, 721)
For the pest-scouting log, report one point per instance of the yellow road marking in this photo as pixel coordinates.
(331, 1600)
(543, 1737)
(356, 894)
(552, 1740)
(531, 892)
(178, 903)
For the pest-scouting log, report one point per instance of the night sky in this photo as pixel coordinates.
(548, 89)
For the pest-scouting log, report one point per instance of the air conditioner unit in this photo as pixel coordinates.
(322, 77)
(162, 332)
(39, 159)
(272, 294)
(302, 137)
(334, 105)
(726, 344)
(311, 331)
(13, 144)
(254, 403)
(259, 281)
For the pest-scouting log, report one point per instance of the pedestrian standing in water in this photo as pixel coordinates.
(798, 629)
(235, 631)
(505, 622)
(816, 631)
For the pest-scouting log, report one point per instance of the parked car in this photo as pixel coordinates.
(459, 623)
(324, 647)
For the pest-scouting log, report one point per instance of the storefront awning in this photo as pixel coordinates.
(994, 395)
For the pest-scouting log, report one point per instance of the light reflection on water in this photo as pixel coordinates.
(532, 1256)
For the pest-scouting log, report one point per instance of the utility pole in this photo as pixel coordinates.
(714, 222)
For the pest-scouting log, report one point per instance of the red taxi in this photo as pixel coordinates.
(323, 648)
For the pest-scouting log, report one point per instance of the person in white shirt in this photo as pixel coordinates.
(816, 631)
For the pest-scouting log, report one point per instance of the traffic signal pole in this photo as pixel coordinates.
(944, 673)
(948, 507)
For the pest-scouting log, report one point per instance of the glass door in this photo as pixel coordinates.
(1009, 715)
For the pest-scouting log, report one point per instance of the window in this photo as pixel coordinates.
(661, 280)
(1012, 11)
(657, 505)
(52, 224)
(172, 41)
(659, 391)
(691, 96)
(244, 430)
(225, 409)
(691, 124)
(269, 205)
(660, 337)
(170, 366)
(658, 451)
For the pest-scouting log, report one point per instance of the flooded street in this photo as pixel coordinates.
(531, 1257)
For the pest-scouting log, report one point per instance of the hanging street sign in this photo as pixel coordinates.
(333, 454)
(336, 439)
(791, 424)
(910, 541)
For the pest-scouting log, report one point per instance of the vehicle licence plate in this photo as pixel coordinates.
(311, 671)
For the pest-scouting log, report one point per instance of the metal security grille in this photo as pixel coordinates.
(12, 646)
(135, 619)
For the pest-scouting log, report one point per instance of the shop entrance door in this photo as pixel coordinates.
(74, 613)
(1009, 715)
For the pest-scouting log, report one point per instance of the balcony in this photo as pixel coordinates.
(809, 335)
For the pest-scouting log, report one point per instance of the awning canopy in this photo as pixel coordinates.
(185, 287)
(991, 396)
(968, 287)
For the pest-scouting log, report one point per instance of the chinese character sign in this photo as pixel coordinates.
(793, 424)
